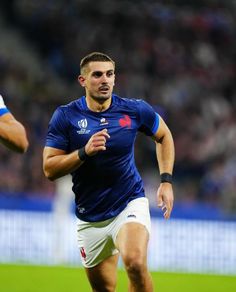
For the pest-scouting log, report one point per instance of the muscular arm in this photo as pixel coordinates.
(12, 133)
(165, 155)
(164, 148)
(57, 163)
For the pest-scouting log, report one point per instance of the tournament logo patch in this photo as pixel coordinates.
(83, 127)
(83, 123)
(125, 121)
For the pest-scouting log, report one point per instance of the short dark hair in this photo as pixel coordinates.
(95, 57)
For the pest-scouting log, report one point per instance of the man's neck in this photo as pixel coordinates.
(98, 105)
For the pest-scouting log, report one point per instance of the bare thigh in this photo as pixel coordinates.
(103, 277)
(132, 239)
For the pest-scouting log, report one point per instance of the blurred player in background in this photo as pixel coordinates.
(93, 139)
(12, 132)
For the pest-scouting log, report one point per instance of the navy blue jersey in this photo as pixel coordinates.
(106, 182)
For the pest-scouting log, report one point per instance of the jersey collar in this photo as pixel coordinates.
(85, 107)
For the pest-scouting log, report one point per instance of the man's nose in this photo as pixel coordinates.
(104, 78)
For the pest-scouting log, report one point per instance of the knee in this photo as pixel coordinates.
(99, 284)
(134, 263)
(104, 288)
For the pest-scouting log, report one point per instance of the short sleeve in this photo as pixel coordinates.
(57, 136)
(149, 119)
(4, 111)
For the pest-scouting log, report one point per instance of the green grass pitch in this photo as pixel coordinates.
(24, 278)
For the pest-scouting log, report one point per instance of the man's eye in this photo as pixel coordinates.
(109, 74)
(97, 74)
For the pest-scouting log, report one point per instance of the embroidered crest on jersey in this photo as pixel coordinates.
(125, 121)
(103, 122)
(83, 127)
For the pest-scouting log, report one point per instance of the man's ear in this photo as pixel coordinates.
(81, 80)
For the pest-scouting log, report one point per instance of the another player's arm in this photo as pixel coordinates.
(13, 134)
(57, 163)
(165, 155)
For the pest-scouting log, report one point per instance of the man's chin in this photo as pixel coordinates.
(102, 97)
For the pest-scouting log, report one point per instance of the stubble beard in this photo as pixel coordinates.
(101, 98)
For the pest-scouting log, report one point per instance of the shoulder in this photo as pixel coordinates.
(64, 113)
(68, 109)
(74, 104)
(132, 103)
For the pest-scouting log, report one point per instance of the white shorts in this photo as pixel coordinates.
(96, 240)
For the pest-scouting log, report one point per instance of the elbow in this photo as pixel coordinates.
(24, 142)
(51, 178)
(48, 174)
(48, 169)
(21, 143)
(19, 146)
(23, 147)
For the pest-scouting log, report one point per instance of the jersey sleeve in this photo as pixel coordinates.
(149, 119)
(57, 136)
(4, 111)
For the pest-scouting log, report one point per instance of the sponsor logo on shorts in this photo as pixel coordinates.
(81, 210)
(131, 216)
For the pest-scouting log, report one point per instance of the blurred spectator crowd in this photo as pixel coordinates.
(178, 57)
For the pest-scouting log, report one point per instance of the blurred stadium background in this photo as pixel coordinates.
(178, 55)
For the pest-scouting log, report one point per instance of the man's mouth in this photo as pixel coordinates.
(104, 88)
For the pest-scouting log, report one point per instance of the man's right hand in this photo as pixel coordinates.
(97, 142)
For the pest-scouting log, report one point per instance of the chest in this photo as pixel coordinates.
(122, 128)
